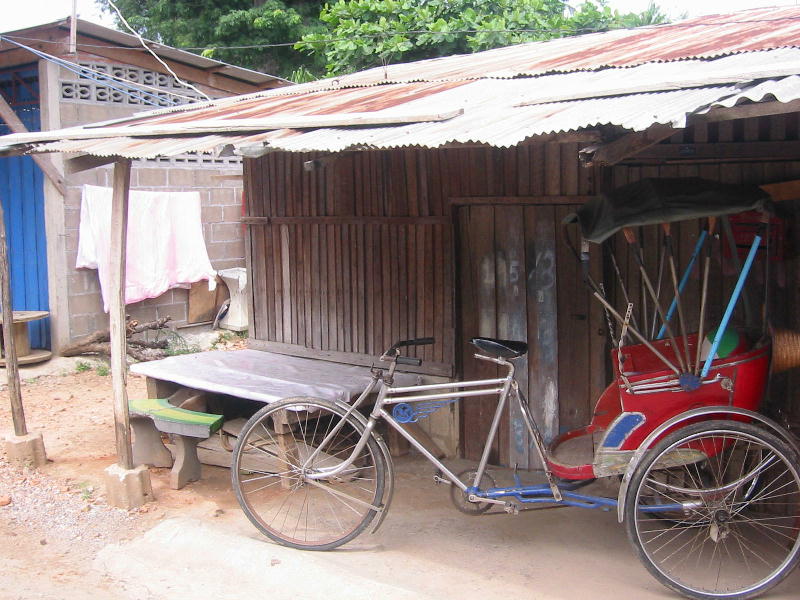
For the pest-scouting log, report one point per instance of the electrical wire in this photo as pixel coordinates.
(154, 55)
(123, 86)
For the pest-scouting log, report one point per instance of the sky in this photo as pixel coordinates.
(36, 12)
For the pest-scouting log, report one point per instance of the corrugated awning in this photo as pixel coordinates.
(356, 112)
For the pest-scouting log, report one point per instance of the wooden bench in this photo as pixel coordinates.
(152, 416)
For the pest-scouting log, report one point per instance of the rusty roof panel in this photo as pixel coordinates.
(502, 97)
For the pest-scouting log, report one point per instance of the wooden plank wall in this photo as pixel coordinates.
(357, 252)
(362, 249)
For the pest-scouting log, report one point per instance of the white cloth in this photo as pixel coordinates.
(165, 246)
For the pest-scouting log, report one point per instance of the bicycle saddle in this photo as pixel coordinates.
(499, 348)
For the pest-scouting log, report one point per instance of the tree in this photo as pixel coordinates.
(257, 34)
(350, 35)
(365, 33)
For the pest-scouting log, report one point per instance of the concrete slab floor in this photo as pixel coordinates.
(425, 549)
(58, 365)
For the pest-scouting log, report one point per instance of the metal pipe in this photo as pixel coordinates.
(704, 296)
(677, 298)
(636, 333)
(731, 304)
(697, 248)
(443, 386)
(632, 241)
(446, 396)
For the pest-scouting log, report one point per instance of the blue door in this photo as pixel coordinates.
(22, 195)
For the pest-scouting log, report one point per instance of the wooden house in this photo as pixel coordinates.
(425, 199)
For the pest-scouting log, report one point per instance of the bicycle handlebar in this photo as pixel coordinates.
(426, 341)
(409, 360)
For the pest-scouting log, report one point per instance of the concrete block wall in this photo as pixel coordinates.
(221, 210)
(220, 188)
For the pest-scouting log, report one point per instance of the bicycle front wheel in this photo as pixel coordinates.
(714, 510)
(277, 450)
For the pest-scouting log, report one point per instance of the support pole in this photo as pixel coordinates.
(127, 486)
(119, 366)
(12, 370)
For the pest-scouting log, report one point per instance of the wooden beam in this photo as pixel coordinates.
(746, 111)
(12, 370)
(119, 366)
(519, 200)
(335, 220)
(628, 145)
(722, 151)
(351, 358)
(86, 162)
(45, 163)
(785, 190)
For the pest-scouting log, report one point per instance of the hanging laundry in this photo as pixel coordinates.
(165, 247)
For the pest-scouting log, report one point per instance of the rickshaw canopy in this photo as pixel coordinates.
(664, 200)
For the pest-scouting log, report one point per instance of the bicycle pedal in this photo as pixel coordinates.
(511, 508)
(439, 480)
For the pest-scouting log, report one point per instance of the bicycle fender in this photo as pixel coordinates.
(389, 488)
(686, 416)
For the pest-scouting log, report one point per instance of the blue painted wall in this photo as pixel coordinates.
(22, 195)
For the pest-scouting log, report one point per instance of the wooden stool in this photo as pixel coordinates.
(22, 341)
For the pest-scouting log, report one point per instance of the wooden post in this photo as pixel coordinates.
(119, 366)
(12, 372)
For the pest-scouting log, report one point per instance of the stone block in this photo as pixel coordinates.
(128, 488)
(180, 178)
(222, 196)
(225, 251)
(79, 326)
(85, 304)
(176, 311)
(226, 232)
(25, 450)
(212, 214)
(232, 213)
(151, 177)
(143, 314)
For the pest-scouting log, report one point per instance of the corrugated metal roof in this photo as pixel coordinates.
(499, 107)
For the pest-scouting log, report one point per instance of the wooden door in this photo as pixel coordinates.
(519, 281)
(22, 195)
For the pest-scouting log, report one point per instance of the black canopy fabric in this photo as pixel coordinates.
(654, 201)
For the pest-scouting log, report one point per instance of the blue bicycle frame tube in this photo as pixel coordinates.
(697, 247)
(731, 304)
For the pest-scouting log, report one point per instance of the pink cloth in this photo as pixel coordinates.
(165, 246)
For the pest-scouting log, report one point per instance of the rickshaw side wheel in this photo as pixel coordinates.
(713, 510)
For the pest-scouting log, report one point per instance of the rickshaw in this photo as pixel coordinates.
(709, 487)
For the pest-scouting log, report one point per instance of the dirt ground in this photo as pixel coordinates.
(53, 521)
(59, 540)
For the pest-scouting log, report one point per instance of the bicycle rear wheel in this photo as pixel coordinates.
(270, 471)
(714, 510)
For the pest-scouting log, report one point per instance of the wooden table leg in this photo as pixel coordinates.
(287, 447)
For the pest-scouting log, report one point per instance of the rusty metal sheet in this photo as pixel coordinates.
(658, 75)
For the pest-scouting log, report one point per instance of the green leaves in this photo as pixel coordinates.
(344, 36)
(366, 33)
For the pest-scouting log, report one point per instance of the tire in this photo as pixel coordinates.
(267, 475)
(713, 510)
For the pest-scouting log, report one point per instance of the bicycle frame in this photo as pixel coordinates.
(389, 396)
